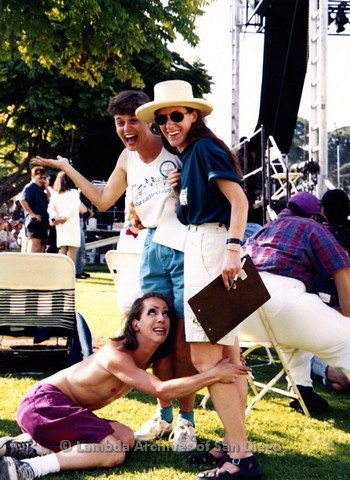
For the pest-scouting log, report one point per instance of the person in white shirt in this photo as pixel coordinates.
(63, 212)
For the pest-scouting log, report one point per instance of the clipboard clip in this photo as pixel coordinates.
(243, 276)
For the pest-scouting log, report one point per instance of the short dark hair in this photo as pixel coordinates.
(128, 334)
(127, 102)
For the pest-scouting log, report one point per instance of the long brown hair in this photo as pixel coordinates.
(128, 334)
(199, 130)
(63, 183)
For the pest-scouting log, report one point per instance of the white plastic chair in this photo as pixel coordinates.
(125, 270)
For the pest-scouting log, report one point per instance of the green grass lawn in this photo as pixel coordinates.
(289, 445)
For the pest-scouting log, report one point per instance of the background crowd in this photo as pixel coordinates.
(11, 224)
(47, 216)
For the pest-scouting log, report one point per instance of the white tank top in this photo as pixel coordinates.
(148, 185)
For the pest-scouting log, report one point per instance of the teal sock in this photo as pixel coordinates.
(186, 416)
(166, 414)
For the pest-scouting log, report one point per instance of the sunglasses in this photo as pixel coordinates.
(176, 117)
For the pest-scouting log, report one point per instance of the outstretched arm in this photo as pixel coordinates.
(128, 373)
(102, 199)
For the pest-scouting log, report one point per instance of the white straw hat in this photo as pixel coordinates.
(172, 93)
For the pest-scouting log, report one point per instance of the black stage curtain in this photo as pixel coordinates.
(284, 69)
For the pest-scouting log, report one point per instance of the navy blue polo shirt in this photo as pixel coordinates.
(200, 199)
(37, 200)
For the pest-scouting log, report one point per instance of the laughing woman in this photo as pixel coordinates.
(214, 207)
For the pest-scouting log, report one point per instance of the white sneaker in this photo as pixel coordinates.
(184, 437)
(154, 429)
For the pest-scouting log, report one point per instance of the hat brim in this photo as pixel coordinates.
(147, 111)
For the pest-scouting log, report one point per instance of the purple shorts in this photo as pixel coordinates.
(54, 421)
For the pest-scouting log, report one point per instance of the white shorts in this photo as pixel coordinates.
(204, 254)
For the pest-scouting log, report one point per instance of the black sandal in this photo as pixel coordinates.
(249, 468)
(206, 458)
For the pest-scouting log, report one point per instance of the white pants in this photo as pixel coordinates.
(301, 320)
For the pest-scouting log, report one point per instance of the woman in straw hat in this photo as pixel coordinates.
(214, 207)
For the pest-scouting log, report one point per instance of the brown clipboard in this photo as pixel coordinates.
(219, 310)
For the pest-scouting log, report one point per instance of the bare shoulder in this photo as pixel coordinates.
(112, 347)
(119, 172)
(122, 160)
(114, 353)
(128, 366)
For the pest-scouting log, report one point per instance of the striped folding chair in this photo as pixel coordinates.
(37, 305)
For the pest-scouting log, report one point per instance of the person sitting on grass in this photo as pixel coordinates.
(57, 412)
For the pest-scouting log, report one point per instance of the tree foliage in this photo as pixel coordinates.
(338, 152)
(298, 151)
(63, 60)
(86, 39)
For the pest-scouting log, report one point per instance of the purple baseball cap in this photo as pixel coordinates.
(306, 202)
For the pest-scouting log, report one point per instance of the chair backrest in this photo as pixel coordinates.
(275, 157)
(280, 174)
(37, 290)
(125, 270)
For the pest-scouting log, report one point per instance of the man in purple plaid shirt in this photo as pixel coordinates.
(289, 253)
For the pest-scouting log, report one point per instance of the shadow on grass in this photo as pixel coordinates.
(97, 279)
(156, 459)
(296, 466)
(280, 466)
